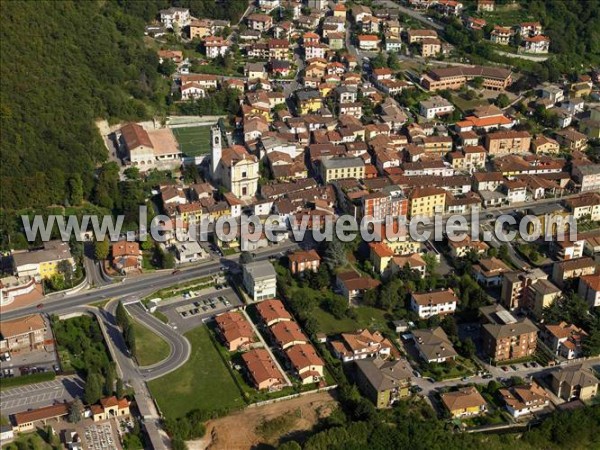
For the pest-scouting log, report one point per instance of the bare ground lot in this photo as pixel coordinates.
(242, 430)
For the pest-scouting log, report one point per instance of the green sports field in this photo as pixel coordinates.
(193, 141)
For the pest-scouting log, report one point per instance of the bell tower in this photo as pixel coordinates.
(216, 148)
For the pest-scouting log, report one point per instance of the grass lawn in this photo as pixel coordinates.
(150, 347)
(193, 141)
(367, 317)
(201, 383)
(466, 105)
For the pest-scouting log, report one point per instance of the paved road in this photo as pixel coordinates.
(93, 273)
(38, 395)
(62, 303)
(409, 12)
(180, 346)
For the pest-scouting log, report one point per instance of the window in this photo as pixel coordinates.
(244, 174)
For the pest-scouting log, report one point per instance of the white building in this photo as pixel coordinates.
(260, 280)
(215, 46)
(428, 304)
(172, 17)
(435, 106)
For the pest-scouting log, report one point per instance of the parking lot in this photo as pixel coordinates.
(40, 394)
(192, 312)
(26, 363)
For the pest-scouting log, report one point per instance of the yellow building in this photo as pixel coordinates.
(309, 101)
(43, 263)
(464, 402)
(426, 202)
(338, 168)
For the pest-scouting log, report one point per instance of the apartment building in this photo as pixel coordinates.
(426, 202)
(23, 334)
(428, 304)
(260, 280)
(573, 268)
(507, 142)
(504, 337)
(337, 168)
(589, 289)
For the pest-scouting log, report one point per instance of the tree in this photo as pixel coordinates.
(468, 347)
(121, 316)
(477, 82)
(335, 254)
(167, 67)
(65, 268)
(337, 306)
(109, 381)
(93, 388)
(393, 62)
(101, 250)
(120, 390)
(75, 190)
(129, 335)
(246, 258)
(502, 101)
(76, 410)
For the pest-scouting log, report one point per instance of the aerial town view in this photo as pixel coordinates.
(300, 224)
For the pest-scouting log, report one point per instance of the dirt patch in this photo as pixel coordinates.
(247, 428)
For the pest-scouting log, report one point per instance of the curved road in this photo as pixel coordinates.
(61, 303)
(180, 346)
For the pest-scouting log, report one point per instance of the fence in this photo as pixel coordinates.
(289, 397)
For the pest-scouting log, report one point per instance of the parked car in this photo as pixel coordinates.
(487, 376)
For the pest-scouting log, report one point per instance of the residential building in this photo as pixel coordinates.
(337, 168)
(126, 256)
(564, 339)
(288, 333)
(428, 304)
(215, 46)
(306, 363)
(368, 42)
(435, 106)
(507, 142)
(464, 402)
(23, 334)
(430, 47)
(573, 268)
(460, 249)
(426, 201)
(501, 35)
(42, 263)
(523, 400)
(175, 17)
(262, 370)
(354, 286)
(587, 176)
(571, 139)
(589, 289)
(546, 145)
(272, 312)
(235, 331)
(505, 338)
(260, 280)
(541, 295)
(585, 206)
(574, 382)
(490, 271)
(485, 5)
(433, 345)
(527, 29)
(537, 44)
(454, 78)
(383, 382)
(416, 36)
(302, 260)
(260, 22)
(515, 287)
(360, 345)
